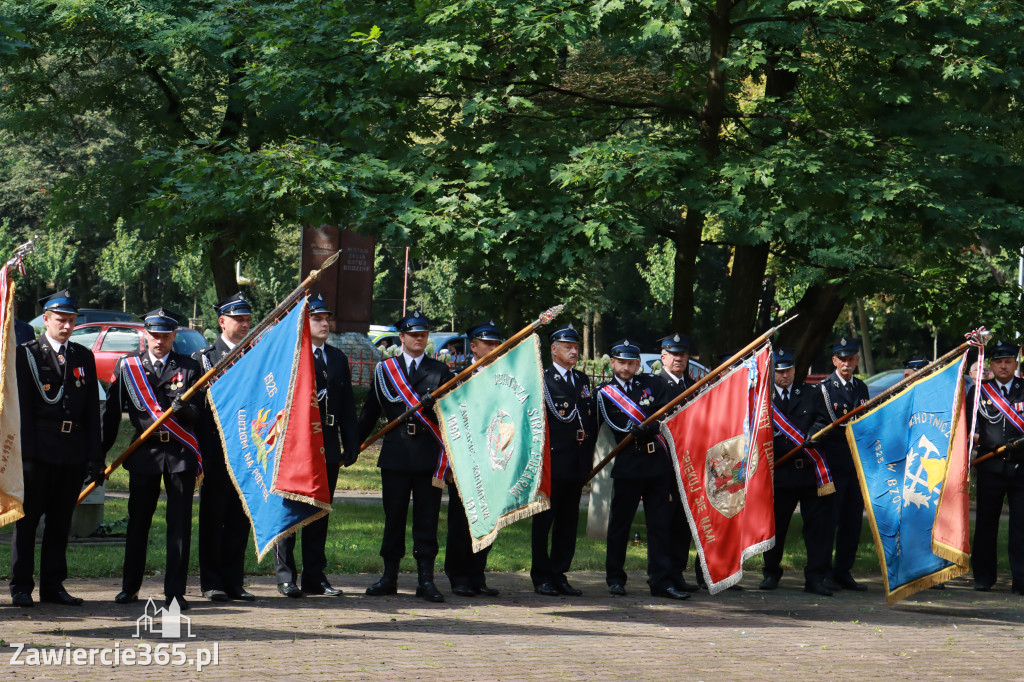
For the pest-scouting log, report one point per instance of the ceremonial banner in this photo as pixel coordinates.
(911, 454)
(495, 432)
(12, 483)
(721, 446)
(266, 410)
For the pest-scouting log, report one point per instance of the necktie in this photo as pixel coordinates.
(60, 357)
(158, 367)
(320, 365)
(568, 379)
(412, 368)
(1006, 393)
(785, 398)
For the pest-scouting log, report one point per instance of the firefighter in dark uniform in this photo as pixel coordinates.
(838, 394)
(170, 454)
(341, 447)
(797, 482)
(60, 447)
(223, 524)
(675, 360)
(572, 425)
(464, 568)
(642, 471)
(1000, 477)
(913, 364)
(410, 457)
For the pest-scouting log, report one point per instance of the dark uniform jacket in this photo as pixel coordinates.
(155, 455)
(802, 413)
(409, 446)
(834, 400)
(572, 412)
(338, 409)
(994, 430)
(68, 430)
(636, 461)
(214, 463)
(672, 387)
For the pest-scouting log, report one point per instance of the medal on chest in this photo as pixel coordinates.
(176, 382)
(79, 374)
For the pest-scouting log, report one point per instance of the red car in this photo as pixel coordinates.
(109, 341)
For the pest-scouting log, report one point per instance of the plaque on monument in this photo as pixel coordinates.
(347, 287)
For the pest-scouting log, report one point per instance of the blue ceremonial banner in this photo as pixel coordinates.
(911, 457)
(266, 410)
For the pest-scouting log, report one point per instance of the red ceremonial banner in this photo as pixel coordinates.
(301, 467)
(721, 445)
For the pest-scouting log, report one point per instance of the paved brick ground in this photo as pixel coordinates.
(786, 634)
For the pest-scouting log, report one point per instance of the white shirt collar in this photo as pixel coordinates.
(322, 351)
(53, 343)
(621, 383)
(1008, 385)
(671, 375)
(227, 342)
(561, 370)
(154, 359)
(780, 390)
(410, 359)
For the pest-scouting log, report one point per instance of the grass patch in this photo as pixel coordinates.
(353, 546)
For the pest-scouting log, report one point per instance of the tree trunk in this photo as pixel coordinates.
(222, 257)
(513, 308)
(587, 352)
(818, 310)
(599, 344)
(744, 292)
(865, 339)
(687, 238)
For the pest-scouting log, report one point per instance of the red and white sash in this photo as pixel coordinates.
(1011, 414)
(821, 472)
(395, 375)
(628, 407)
(135, 373)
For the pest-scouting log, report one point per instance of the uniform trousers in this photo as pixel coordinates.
(817, 516)
(52, 490)
(314, 545)
(462, 565)
(396, 487)
(626, 495)
(223, 534)
(993, 488)
(679, 542)
(560, 525)
(848, 518)
(143, 494)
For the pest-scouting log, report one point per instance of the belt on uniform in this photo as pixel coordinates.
(64, 426)
(410, 428)
(162, 435)
(329, 419)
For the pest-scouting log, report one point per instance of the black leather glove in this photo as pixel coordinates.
(348, 460)
(644, 433)
(811, 443)
(95, 473)
(186, 412)
(428, 401)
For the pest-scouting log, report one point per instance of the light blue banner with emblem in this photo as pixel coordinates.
(495, 431)
(901, 450)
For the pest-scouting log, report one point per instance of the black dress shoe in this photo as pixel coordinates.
(183, 604)
(463, 590)
(848, 583)
(736, 588)
(940, 586)
(241, 595)
(681, 584)
(22, 599)
(216, 595)
(546, 589)
(322, 587)
(831, 584)
(60, 596)
(819, 588)
(979, 587)
(428, 590)
(568, 590)
(126, 597)
(670, 593)
(617, 590)
(770, 582)
(290, 590)
(565, 588)
(486, 591)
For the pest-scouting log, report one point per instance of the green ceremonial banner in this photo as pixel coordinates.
(495, 433)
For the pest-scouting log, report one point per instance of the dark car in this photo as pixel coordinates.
(110, 341)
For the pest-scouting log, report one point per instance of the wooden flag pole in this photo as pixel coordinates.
(545, 317)
(883, 396)
(687, 393)
(215, 371)
(998, 451)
